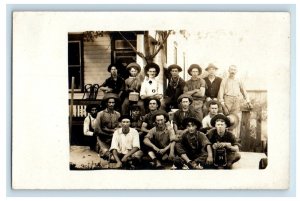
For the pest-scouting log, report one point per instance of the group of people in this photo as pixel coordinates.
(141, 131)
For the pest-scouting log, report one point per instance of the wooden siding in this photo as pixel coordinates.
(97, 56)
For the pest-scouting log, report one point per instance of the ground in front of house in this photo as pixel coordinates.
(82, 158)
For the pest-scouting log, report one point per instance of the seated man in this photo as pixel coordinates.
(213, 110)
(136, 117)
(106, 123)
(148, 122)
(223, 142)
(89, 124)
(160, 139)
(194, 149)
(185, 110)
(113, 84)
(125, 145)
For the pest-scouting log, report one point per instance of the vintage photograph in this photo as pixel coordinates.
(151, 100)
(158, 99)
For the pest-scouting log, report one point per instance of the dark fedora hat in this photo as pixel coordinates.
(152, 65)
(185, 96)
(194, 66)
(220, 116)
(110, 66)
(160, 112)
(193, 120)
(211, 66)
(90, 106)
(125, 116)
(173, 66)
(134, 65)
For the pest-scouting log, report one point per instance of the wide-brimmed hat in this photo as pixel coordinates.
(125, 116)
(90, 106)
(173, 66)
(152, 65)
(160, 112)
(185, 96)
(191, 119)
(194, 66)
(211, 66)
(220, 116)
(147, 100)
(234, 120)
(111, 95)
(110, 66)
(134, 65)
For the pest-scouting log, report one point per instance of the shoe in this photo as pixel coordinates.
(194, 165)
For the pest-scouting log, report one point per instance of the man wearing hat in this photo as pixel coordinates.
(160, 139)
(213, 83)
(125, 145)
(185, 110)
(113, 84)
(196, 88)
(89, 124)
(222, 139)
(132, 84)
(194, 148)
(175, 87)
(151, 88)
(107, 123)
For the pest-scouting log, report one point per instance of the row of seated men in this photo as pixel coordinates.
(185, 141)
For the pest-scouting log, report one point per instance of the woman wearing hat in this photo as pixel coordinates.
(175, 87)
(196, 88)
(222, 139)
(151, 88)
(194, 149)
(132, 87)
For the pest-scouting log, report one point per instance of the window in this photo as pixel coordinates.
(75, 61)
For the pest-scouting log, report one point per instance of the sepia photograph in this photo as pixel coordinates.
(178, 97)
(146, 100)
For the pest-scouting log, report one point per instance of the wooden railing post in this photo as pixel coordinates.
(71, 109)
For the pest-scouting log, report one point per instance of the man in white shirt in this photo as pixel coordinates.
(125, 145)
(213, 110)
(89, 124)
